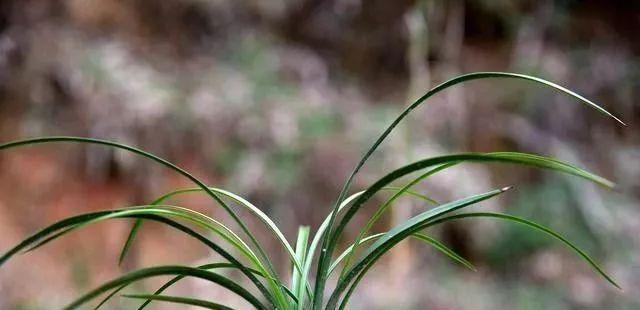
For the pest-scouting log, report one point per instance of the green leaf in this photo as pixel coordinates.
(498, 157)
(510, 218)
(182, 300)
(132, 235)
(109, 296)
(329, 233)
(193, 216)
(421, 237)
(178, 278)
(168, 270)
(325, 224)
(207, 266)
(374, 218)
(397, 234)
(350, 248)
(297, 283)
(243, 203)
(328, 243)
(549, 163)
(444, 250)
(535, 226)
(141, 213)
(280, 299)
(168, 210)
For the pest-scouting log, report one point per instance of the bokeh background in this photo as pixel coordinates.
(277, 100)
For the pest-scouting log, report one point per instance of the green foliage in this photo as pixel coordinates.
(299, 292)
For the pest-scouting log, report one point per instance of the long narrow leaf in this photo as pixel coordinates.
(168, 270)
(400, 232)
(109, 296)
(536, 226)
(444, 250)
(514, 157)
(499, 157)
(178, 278)
(350, 249)
(512, 219)
(130, 237)
(386, 205)
(182, 300)
(207, 266)
(65, 139)
(328, 244)
(193, 216)
(297, 283)
(242, 202)
(422, 237)
(79, 219)
(167, 210)
(317, 238)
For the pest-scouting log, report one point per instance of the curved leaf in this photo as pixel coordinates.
(400, 232)
(297, 283)
(188, 214)
(178, 278)
(328, 244)
(182, 300)
(130, 237)
(444, 250)
(66, 139)
(208, 266)
(168, 210)
(509, 218)
(386, 205)
(168, 270)
(498, 157)
(535, 226)
(127, 213)
(422, 237)
(241, 201)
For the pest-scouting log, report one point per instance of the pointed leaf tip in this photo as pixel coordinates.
(506, 188)
(620, 121)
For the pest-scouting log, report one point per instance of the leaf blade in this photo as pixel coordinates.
(328, 244)
(127, 213)
(279, 295)
(538, 227)
(445, 250)
(397, 234)
(181, 300)
(167, 270)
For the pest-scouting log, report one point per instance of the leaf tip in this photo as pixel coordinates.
(506, 188)
(616, 285)
(121, 258)
(621, 122)
(615, 187)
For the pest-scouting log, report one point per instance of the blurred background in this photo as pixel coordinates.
(277, 101)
